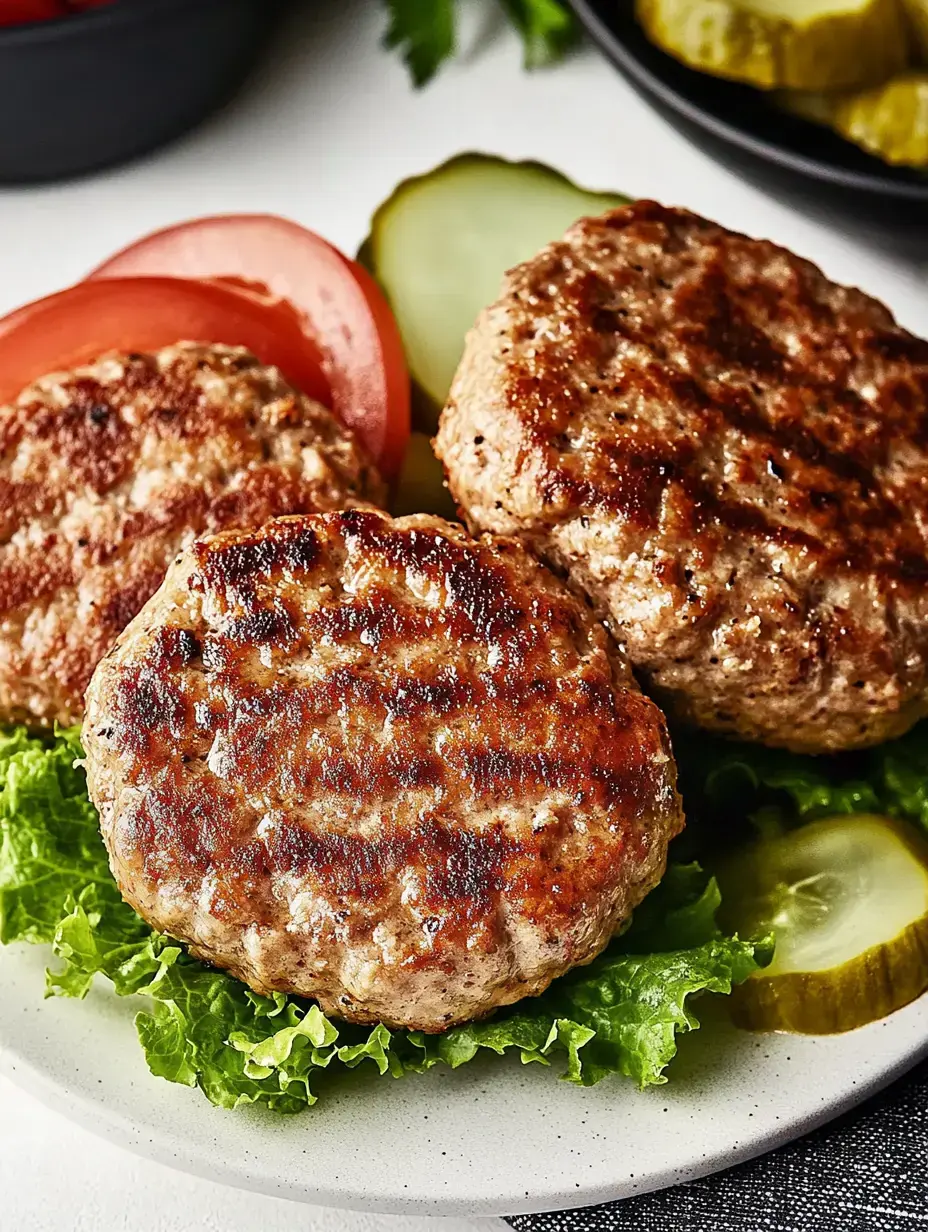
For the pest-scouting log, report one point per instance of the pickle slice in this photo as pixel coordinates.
(847, 900)
(917, 11)
(440, 244)
(890, 121)
(783, 44)
(421, 487)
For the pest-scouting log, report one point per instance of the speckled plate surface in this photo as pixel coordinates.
(493, 1138)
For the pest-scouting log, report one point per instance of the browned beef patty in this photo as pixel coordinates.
(106, 472)
(728, 453)
(379, 764)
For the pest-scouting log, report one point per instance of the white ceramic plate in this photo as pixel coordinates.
(322, 138)
(494, 1138)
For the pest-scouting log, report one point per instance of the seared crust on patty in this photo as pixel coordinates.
(379, 764)
(106, 472)
(728, 454)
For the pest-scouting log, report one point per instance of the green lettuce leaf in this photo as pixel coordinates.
(49, 843)
(900, 773)
(725, 782)
(622, 1014)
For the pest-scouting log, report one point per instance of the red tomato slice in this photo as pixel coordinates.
(19, 12)
(332, 298)
(142, 314)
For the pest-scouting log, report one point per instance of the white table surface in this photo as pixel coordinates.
(322, 134)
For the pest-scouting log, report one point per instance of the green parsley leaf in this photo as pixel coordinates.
(548, 29)
(423, 31)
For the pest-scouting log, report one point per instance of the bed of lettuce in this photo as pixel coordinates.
(620, 1015)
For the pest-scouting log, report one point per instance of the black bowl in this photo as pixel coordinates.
(86, 91)
(740, 115)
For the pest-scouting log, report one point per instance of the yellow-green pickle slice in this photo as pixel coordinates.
(917, 13)
(847, 899)
(440, 244)
(421, 487)
(783, 44)
(889, 121)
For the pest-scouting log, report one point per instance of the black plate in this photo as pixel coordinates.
(739, 114)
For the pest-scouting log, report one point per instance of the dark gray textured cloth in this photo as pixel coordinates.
(867, 1172)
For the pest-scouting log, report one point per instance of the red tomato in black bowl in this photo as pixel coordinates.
(19, 12)
(23, 12)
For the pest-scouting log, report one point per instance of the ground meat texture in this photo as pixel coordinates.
(728, 454)
(108, 471)
(379, 764)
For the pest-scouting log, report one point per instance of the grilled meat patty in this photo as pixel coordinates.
(379, 764)
(728, 454)
(106, 472)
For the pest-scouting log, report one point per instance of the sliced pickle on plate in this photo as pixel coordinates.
(890, 121)
(421, 487)
(440, 244)
(917, 12)
(847, 900)
(783, 44)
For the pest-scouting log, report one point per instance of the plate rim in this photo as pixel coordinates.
(611, 44)
(115, 1127)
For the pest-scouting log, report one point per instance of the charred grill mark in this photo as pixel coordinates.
(353, 768)
(90, 434)
(499, 773)
(310, 754)
(713, 346)
(57, 563)
(377, 622)
(636, 496)
(441, 693)
(468, 868)
(369, 533)
(362, 772)
(554, 735)
(462, 874)
(173, 648)
(80, 454)
(349, 864)
(713, 322)
(174, 510)
(438, 691)
(245, 561)
(151, 713)
(263, 626)
(794, 435)
(477, 592)
(28, 577)
(633, 487)
(186, 828)
(478, 607)
(480, 594)
(264, 492)
(21, 500)
(122, 604)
